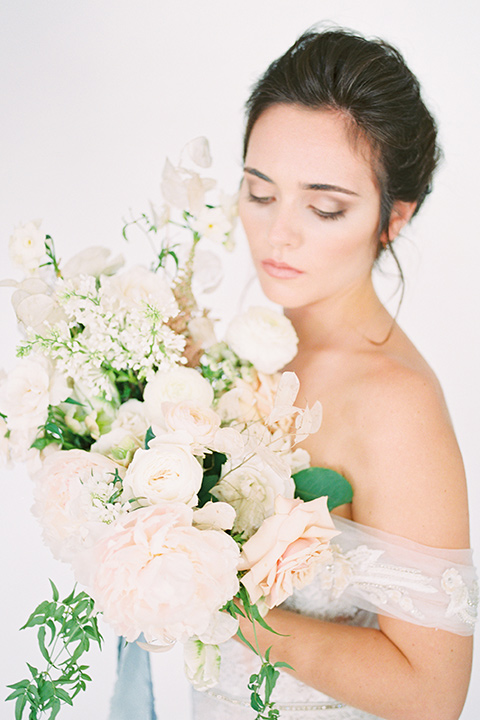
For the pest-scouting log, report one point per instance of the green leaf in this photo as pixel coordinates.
(54, 590)
(71, 401)
(56, 705)
(315, 482)
(19, 707)
(212, 467)
(41, 643)
(63, 695)
(149, 435)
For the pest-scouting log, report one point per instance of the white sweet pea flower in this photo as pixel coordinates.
(118, 444)
(175, 385)
(199, 151)
(94, 261)
(173, 185)
(27, 245)
(263, 337)
(202, 663)
(161, 217)
(214, 516)
(212, 223)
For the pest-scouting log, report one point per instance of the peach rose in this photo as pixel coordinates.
(283, 553)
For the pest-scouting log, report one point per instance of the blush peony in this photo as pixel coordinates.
(284, 553)
(155, 573)
(71, 500)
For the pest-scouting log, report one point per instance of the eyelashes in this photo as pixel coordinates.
(319, 213)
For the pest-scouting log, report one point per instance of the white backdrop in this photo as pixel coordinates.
(96, 93)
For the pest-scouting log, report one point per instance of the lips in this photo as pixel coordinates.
(280, 270)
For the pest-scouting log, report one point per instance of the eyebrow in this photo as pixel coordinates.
(304, 186)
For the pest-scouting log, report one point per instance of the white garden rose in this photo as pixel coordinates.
(263, 337)
(167, 471)
(175, 385)
(28, 390)
(27, 245)
(251, 489)
(131, 417)
(200, 422)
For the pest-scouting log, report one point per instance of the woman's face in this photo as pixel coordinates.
(310, 206)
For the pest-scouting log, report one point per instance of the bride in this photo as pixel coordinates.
(339, 155)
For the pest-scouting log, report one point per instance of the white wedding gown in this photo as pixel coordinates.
(372, 572)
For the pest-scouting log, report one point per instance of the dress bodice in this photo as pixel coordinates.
(370, 572)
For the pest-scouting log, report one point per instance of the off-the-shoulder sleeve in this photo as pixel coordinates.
(394, 576)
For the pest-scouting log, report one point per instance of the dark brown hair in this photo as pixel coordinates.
(369, 82)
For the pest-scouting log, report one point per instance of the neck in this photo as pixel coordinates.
(356, 318)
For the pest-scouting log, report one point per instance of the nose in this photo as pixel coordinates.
(283, 230)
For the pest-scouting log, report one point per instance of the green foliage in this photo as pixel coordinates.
(66, 629)
(315, 482)
(262, 683)
(56, 430)
(52, 258)
(212, 468)
(149, 435)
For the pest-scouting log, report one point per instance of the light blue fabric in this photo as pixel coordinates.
(133, 693)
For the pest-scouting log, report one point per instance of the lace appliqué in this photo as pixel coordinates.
(385, 584)
(463, 604)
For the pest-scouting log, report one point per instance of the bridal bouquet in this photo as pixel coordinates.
(165, 462)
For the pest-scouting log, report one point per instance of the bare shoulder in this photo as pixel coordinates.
(405, 455)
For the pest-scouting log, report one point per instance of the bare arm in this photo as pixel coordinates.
(412, 484)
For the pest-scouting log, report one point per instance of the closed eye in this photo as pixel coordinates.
(328, 215)
(258, 199)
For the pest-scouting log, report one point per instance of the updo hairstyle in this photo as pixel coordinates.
(369, 82)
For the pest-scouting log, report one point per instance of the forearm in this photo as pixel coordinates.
(364, 667)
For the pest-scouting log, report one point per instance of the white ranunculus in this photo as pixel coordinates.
(94, 261)
(202, 663)
(263, 337)
(175, 385)
(28, 390)
(251, 489)
(138, 287)
(199, 151)
(212, 223)
(167, 471)
(27, 245)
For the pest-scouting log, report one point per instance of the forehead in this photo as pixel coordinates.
(310, 146)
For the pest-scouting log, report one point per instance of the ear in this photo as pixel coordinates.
(401, 213)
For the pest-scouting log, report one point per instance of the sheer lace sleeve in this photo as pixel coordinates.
(390, 575)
